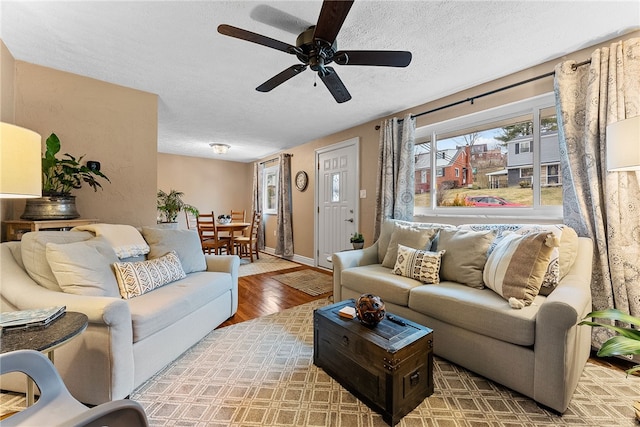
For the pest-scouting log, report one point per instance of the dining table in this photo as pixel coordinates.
(232, 228)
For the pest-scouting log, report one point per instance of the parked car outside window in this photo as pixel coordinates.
(489, 201)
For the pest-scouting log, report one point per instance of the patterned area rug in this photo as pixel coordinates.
(265, 264)
(261, 373)
(310, 282)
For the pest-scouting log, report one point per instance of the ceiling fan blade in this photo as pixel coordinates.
(332, 16)
(239, 33)
(335, 85)
(282, 77)
(382, 58)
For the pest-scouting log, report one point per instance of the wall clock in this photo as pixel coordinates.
(302, 180)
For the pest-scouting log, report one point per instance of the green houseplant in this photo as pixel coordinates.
(60, 176)
(626, 343)
(357, 240)
(170, 204)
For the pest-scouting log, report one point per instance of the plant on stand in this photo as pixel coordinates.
(170, 204)
(357, 240)
(626, 343)
(59, 177)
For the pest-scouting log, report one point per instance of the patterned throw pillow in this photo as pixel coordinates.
(137, 278)
(552, 274)
(420, 265)
(517, 265)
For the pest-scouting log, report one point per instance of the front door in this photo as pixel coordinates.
(337, 198)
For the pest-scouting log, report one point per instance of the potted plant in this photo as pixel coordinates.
(357, 240)
(626, 343)
(59, 177)
(170, 204)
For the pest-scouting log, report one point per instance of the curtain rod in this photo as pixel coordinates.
(491, 92)
(275, 159)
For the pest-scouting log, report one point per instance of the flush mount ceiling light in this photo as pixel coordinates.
(220, 148)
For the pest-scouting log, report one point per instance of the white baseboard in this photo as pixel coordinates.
(296, 258)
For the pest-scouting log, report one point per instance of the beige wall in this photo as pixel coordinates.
(7, 79)
(303, 203)
(114, 125)
(209, 185)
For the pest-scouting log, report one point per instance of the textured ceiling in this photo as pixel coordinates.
(206, 82)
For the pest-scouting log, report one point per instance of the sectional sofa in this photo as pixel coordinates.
(503, 300)
(134, 331)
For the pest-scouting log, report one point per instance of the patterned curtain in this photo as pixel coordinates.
(256, 201)
(396, 172)
(284, 233)
(604, 206)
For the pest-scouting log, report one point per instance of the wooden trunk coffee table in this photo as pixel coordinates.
(388, 367)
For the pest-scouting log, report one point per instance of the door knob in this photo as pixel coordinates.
(350, 219)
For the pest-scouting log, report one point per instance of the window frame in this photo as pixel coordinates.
(267, 172)
(531, 106)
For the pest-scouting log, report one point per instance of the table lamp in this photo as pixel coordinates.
(623, 145)
(20, 164)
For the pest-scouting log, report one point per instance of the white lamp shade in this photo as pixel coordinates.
(623, 145)
(20, 162)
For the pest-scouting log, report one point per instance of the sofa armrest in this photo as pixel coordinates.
(226, 264)
(561, 346)
(347, 259)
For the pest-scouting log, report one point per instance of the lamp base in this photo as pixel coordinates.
(51, 207)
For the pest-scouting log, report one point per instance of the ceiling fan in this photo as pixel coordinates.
(316, 48)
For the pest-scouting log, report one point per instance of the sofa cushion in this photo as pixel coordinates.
(388, 226)
(560, 260)
(378, 280)
(465, 256)
(186, 243)
(137, 278)
(34, 254)
(84, 268)
(416, 264)
(478, 310)
(517, 266)
(410, 236)
(164, 306)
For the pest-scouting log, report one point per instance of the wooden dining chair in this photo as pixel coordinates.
(248, 245)
(192, 221)
(238, 216)
(208, 232)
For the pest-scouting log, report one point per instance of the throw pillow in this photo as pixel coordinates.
(553, 273)
(185, 243)
(125, 240)
(137, 278)
(407, 235)
(420, 265)
(516, 267)
(34, 246)
(84, 268)
(465, 257)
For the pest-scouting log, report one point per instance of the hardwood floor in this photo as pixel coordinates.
(260, 295)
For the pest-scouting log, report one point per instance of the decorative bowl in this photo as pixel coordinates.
(224, 220)
(370, 309)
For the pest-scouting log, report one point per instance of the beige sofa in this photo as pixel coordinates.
(127, 340)
(537, 350)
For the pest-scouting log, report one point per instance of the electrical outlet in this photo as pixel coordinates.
(363, 194)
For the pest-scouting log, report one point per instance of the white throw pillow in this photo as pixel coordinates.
(420, 265)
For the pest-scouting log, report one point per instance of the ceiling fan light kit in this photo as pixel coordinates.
(220, 148)
(316, 48)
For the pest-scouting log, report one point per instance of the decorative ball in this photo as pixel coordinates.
(370, 309)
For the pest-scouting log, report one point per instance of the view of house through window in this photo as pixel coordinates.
(503, 162)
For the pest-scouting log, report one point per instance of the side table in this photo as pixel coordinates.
(17, 227)
(44, 339)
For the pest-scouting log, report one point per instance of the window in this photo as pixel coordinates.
(509, 158)
(270, 190)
